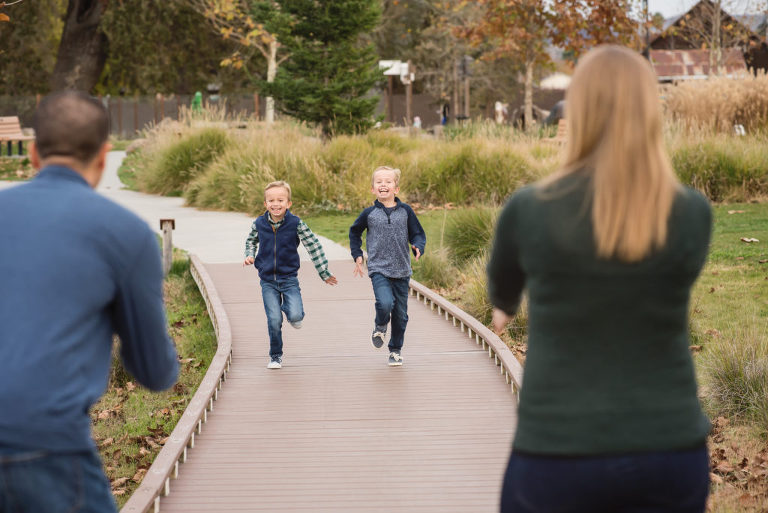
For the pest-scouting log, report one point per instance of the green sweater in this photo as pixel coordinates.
(608, 368)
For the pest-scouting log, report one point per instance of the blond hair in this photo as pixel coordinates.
(279, 183)
(394, 170)
(614, 125)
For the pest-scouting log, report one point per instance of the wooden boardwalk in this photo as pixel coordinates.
(336, 429)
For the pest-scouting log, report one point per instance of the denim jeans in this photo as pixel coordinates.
(654, 482)
(40, 482)
(391, 304)
(282, 295)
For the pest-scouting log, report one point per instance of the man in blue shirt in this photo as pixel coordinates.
(75, 268)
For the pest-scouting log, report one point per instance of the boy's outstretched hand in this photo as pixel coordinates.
(416, 253)
(249, 260)
(331, 280)
(358, 270)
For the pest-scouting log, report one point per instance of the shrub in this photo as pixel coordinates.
(175, 163)
(723, 168)
(435, 270)
(469, 232)
(717, 104)
(736, 374)
(474, 289)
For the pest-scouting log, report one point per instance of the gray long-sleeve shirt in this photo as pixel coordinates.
(391, 232)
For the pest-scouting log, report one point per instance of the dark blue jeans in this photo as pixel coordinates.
(391, 304)
(280, 296)
(654, 482)
(40, 482)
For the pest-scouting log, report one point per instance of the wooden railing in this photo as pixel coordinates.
(157, 482)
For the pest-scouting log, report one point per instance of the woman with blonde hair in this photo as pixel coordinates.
(608, 249)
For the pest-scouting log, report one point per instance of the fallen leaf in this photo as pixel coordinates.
(762, 261)
(138, 476)
(735, 211)
(749, 240)
(695, 349)
(130, 386)
(725, 467)
(715, 478)
(107, 442)
(121, 491)
(119, 482)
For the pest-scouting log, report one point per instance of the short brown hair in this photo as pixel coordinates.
(70, 124)
(395, 170)
(279, 183)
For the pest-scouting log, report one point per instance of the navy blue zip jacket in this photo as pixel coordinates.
(74, 269)
(278, 256)
(391, 232)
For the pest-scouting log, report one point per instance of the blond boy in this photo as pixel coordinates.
(272, 247)
(393, 232)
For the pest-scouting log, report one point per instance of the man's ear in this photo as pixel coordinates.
(34, 156)
(96, 168)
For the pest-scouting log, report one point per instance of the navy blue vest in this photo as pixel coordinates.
(278, 256)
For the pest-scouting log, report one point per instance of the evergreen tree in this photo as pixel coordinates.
(328, 78)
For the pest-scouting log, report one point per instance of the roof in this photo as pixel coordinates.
(673, 65)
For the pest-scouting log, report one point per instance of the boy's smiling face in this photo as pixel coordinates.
(385, 186)
(277, 202)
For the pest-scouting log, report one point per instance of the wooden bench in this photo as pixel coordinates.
(10, 132)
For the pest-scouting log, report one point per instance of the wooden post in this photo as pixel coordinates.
(256, 106)
(466, 97)
(390, 92)
(119, 116)
(167, 226)
(136, 114)
(455, 102)
(409, 99)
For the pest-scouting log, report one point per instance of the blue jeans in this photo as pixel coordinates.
(40, 482)
(391, 304)
(654, 482)
(283, 295)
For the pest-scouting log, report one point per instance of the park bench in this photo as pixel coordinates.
(10, 132)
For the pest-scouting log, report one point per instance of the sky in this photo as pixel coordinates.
(671, 8)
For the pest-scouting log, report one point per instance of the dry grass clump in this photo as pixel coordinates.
(719, 103)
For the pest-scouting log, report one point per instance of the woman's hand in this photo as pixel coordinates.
(499, 320)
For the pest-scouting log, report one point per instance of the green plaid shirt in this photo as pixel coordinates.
(307, 238)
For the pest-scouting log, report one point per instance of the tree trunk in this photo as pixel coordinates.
(528, 101)
(83, 47)
(718, 40)
(271, 72)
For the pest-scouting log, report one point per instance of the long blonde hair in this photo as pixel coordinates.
(614, 124)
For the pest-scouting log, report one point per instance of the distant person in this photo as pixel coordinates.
(74, 269)
(272, 247)
(197, 102)
(394, 232)
(445, 111)
(608, 249)
(417, 122)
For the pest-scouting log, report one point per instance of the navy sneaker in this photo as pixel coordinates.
(379, 332)
(395, 360)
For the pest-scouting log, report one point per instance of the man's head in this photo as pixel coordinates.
(277, 199)
(71, 128)
(385, 183)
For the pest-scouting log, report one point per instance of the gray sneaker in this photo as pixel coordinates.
(296, 325)
(377, 337)
(275, 362)
(395, 360)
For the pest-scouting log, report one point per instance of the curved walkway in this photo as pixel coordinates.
(336, 429)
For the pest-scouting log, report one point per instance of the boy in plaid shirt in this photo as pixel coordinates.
(277, 234)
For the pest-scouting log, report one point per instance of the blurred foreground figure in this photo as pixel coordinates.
(608, 249)
(74, 269)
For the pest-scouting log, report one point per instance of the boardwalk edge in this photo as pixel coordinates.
(157, 482)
